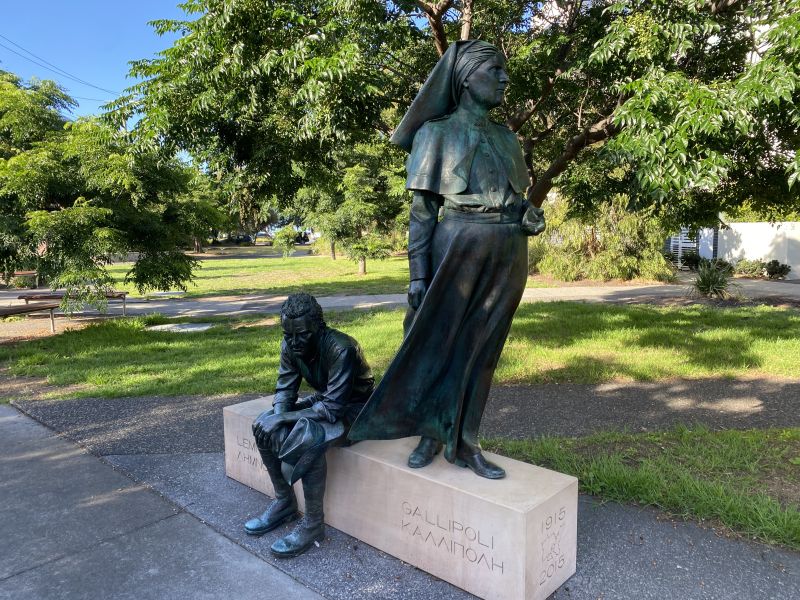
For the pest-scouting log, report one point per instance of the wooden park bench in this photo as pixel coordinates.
(113, 295)
(7, 311)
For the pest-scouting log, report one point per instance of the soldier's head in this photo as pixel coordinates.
(302, 322)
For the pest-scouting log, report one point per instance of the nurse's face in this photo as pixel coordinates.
(488, 82)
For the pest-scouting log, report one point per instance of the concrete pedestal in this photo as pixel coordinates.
(509, 539)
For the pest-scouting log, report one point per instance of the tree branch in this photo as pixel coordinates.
(435, 14)
(525, 112)
(601, 130)
(466, 19)
(720, 6)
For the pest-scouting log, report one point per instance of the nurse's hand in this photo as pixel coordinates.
(416, 293)
(533, 221)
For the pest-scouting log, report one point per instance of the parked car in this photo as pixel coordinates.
(263, 238)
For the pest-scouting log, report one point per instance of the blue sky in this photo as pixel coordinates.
(91, 39)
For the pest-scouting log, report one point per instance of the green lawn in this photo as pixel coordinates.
(747, 480)
(280, 276)
(549, 342)
(318, 275)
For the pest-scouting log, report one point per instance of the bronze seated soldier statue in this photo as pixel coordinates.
(293, 436)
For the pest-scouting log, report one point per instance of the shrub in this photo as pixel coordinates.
(776, 269)
(750, 268)
(718, 263)
(712, 282)
(565, 267)
(613, 242)
(23, 282)
(284, 240)
(691, 260)
(537, 248)
(653, 265)
(606, 266)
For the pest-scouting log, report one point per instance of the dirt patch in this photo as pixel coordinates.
(15, 387)
(35, 326)
(268, 322)
(592, 283)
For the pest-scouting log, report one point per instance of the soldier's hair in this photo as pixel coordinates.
(300, 305)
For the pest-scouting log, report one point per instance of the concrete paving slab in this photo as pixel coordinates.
(342, 568)
(57, 499)
(176, 558)
(145, 425)
(623, 551)
(73, 527)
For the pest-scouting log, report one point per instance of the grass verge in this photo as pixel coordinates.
(318, 275)
(281, 276)
(563, 342)
(748, 481)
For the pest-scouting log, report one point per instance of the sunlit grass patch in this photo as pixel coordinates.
(564, 342)
(749, 481)
(317, 275)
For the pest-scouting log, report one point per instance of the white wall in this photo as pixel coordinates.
(705, 243)
(762, 241)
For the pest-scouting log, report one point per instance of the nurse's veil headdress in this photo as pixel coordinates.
(440, 94)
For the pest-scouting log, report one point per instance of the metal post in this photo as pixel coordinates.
(52, 321)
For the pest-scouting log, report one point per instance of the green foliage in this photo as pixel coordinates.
(695, 102)
(691, 260)
(611, 243)
(369, 246)
(712, 281)
(75, 194)
(23, 282)
(718, 263)
(284, 240)
(750, 268)
(361, 204)
(776, 269)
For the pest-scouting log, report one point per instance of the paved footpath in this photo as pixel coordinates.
(78, 529)
(71, 526)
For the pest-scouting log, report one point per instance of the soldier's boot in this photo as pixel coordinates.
(310, 528)
(281, 510)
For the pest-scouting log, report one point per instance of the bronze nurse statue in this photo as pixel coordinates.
(468, 269)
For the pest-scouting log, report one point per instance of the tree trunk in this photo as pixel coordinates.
(362, 266)
(198, 247)
(333, 250)
(466, 19)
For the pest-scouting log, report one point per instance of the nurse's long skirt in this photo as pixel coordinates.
(438, 383)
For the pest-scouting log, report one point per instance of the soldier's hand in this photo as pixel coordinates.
(416, 293)
(265, 424)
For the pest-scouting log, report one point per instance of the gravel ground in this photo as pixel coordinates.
(176, 425)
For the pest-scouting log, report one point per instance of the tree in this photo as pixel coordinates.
(76, 194)
(358, 202)
(697, 99)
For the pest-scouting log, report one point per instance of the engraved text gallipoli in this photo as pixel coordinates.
(450, 536)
